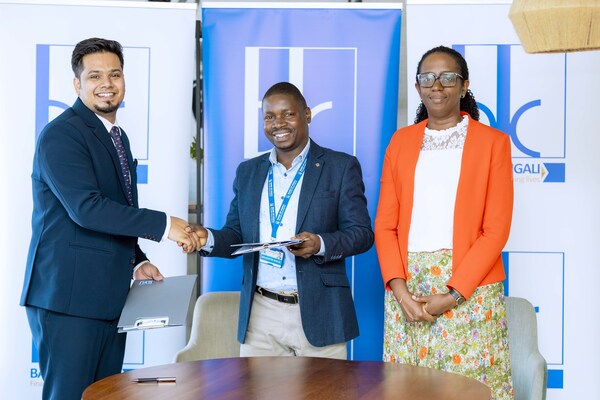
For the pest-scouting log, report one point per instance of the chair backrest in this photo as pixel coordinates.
(214, 328)
(529, 369)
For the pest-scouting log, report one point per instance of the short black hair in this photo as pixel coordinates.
(286, 88)
(467, 103)
(91, 46)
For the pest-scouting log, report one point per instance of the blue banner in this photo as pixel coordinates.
(346, 63)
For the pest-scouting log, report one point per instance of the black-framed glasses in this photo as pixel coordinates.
(447, 79)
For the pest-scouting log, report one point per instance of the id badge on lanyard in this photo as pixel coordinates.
(277, 218)
(275, 257)
(272, 258)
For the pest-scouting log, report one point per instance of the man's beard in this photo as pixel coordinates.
(107, 108)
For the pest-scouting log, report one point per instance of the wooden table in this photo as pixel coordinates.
(288, 378)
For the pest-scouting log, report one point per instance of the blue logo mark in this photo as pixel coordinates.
(47, 102)
(504, 121)
(549, 145)
(35, 373)
(42, 89)
(327, 78)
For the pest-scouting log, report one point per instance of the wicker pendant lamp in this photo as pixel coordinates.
(556, 26)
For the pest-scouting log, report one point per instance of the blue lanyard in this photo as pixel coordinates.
(276, 221)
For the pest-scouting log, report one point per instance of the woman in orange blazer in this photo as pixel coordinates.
(444, 215)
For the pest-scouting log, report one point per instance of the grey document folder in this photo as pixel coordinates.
(157, 304)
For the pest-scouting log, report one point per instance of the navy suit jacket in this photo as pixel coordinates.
(84, 234)
(332, 204)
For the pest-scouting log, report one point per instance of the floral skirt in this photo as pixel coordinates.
(470, 339)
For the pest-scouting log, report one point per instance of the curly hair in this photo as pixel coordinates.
(467, 103)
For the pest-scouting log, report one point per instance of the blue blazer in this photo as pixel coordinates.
(84, 234)
(332, 204)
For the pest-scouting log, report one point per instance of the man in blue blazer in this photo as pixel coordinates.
(85, 225)
(295, 300)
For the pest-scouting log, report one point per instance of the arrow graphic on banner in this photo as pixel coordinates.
(553, 172)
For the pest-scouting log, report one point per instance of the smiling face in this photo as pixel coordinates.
(285, 123)
(442, 103)
(101, 84)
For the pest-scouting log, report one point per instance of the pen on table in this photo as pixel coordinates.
(156, 379)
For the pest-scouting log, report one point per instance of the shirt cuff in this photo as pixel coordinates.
(321, 252)
(138, 267)
(210, 243)
(167, 229)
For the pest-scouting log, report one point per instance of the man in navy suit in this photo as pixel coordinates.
(86, 223)
(295, 300)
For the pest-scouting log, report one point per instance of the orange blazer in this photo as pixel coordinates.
(482, 214)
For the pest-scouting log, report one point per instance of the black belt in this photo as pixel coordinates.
(284, 298)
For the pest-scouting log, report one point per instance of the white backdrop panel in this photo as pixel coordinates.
(35, 74)
(548, 104)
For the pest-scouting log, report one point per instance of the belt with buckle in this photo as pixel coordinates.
(283, 298)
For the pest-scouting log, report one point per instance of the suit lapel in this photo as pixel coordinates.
(97, 128)
(314, 166)
(257, 182)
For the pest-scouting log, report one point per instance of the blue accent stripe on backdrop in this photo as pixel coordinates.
(35, 356)
(42, 86)
(555, 379)
(142, 174)
(42, 89)
(503, 88)
(505, 255)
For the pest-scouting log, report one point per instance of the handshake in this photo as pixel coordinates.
(189, 238)
(193, 237)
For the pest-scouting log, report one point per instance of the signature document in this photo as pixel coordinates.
(244, 248)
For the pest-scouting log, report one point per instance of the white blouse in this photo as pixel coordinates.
(436, 182)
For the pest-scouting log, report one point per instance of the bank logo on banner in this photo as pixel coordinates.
(547, 270)
(523, 95)
(34, 372)
(326, 77)
(55, 93)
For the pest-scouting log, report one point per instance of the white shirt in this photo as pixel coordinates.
(284, 278)
(271, 278)
(436, 182)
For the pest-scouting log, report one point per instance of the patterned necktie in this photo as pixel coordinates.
(116, 136)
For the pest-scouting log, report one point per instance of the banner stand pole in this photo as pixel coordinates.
(199, 114)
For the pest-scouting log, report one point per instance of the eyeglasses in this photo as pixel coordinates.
(447, 79)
